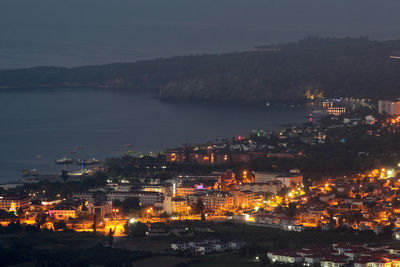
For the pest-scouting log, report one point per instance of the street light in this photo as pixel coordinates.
(148, 211)
(115, 212)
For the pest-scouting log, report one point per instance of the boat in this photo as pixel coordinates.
(32, 172)
(129, 145)
(65, 160)
(88, 162)
(79, 147)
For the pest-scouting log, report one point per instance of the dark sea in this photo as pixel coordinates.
(39, 126)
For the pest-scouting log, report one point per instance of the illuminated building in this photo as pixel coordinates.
(175, 155)
(208, 156)
(213, 200)
(272, 187)
(176, 205)
(13, 203)
(286, 179)
(265, 177)
(101, 209)
(336, 111)
(185, 190)
(160, 188)
(389, 107)
(65, 210)
(327, 104)
(63, 213)
(145, 198)
(331, 109)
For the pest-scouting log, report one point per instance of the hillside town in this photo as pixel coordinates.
(269, 179)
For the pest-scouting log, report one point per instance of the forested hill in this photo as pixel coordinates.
(336, 67)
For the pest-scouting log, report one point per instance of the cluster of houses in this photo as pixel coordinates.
(339, 254)
(370, 201)
(218, 191)
(206, 246)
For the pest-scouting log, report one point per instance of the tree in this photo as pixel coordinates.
(110, 238)
(99, 196)
(40, 220)
(60, 225)
(137, 229)
(130, 204)
(199, 206)
(164, 215)
(20, 211)
(291, 210)
(64, 175)
(94, 225)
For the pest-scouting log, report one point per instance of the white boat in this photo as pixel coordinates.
(65, 160)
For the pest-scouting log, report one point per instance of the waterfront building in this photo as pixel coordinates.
(14, 202)
(389, 107)
(336, 111)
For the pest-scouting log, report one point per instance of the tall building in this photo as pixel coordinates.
(389, 107)
(286, 179)
(176, 205)
(14, 202)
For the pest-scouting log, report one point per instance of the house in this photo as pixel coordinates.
(284, 256)
(236, 244)
(14, 202)
(179, 247)
(292, 227)
(334, 261)
(312, 259)
(220, 247)
(203, 249)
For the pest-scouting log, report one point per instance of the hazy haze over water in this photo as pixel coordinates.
(81, 32)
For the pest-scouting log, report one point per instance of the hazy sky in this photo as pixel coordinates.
(81, 32)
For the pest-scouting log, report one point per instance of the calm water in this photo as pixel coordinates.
(38, 127)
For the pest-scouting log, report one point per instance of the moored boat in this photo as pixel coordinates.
(32, 172)
(65, 160)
